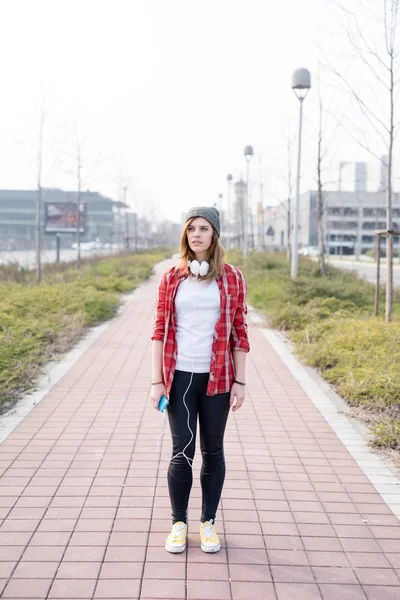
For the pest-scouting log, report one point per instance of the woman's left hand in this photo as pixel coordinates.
(237, 393)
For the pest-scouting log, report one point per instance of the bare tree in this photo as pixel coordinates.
(289, 181)
(39, 194)
(320, 202)
(78, 146)
(286, 176)
(382, 65)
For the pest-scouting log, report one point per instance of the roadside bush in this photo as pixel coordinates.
(37, 322)
(386, 434)
(329, 320)
(359, 356)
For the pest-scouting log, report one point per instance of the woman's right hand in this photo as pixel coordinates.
(156, 392)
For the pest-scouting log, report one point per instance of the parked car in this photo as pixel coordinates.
(88, 246)
(309, 251)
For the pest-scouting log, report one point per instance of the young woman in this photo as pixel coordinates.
(198, 362)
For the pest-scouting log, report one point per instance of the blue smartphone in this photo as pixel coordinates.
(162, 405)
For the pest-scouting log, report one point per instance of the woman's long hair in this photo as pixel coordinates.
(215, 254)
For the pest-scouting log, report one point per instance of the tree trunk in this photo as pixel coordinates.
(321, 233)
(320, 206)
(389, 237)
(288, 234)
(78, 224)
(38, 234)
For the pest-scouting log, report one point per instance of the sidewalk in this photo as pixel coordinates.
(84, 506)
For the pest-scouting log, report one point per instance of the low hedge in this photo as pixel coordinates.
(329, 320)
(37, 322)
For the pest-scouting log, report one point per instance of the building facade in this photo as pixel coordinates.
(18, 218)
(350, 220)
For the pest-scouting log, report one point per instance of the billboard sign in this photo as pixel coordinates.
(60, 217)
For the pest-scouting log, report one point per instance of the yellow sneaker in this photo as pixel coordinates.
(210, 541)
(176, 541)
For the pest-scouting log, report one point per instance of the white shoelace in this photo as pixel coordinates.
(179, 531)
(208, 530)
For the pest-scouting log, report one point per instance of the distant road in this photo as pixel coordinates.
(27, 258)
(367, 270)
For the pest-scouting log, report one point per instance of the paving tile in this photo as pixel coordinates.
(250, 572)
(245, 541)
(353, 545)
(322, 543)
(298, 591)
(86, 538)
(72, 588)
(196, 555)
(378, 592)
(196, 590)
(35, 570)
(14, 538)
(156, 588)
(327, 559)
(393, 559)
(375, 576)
(27, 588)
(368, 559)
(283, 542)
(247, 556)
(288, 557)
(243, 527)
(130, 554)
(84, 553)
(203, 572)
(50, 538)
(165, 570)
(127, 589)
(335, 575)
(343, 592)
(78, 570)
(121, 570)
(43, 553)
(292, 574)
(253, 591)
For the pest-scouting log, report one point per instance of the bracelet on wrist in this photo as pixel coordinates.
(156, 382)
(239, 382)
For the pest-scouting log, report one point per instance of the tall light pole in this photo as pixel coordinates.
(248, 153)
(301, 83)
(229, 179)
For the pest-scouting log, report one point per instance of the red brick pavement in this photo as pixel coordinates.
(84, 506)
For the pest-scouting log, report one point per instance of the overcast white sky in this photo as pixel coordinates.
(165, 93)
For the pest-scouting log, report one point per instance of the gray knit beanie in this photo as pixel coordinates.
(209, 213)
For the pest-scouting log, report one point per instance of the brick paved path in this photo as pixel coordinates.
(84, 507)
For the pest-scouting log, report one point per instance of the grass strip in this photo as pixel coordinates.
(329, 319)
(38, 322)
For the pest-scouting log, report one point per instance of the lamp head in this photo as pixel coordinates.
(301, 82)
(248, 151)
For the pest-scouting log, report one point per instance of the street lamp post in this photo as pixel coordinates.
(229, 179)
(248, 153)
(301, 83)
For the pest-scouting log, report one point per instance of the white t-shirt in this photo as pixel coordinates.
(198, 310)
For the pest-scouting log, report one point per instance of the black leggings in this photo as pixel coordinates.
(213, 414)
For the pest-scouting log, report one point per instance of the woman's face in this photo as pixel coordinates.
(199, 234)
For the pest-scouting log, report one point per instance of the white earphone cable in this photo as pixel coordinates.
(182, 452)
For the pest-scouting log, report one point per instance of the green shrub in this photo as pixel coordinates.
(386, 433)
(359, 356)
(39, 321)
(329, 320)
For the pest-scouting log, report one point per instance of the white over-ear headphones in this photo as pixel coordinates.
(199, 269)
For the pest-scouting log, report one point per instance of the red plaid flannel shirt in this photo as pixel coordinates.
(230, 331)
